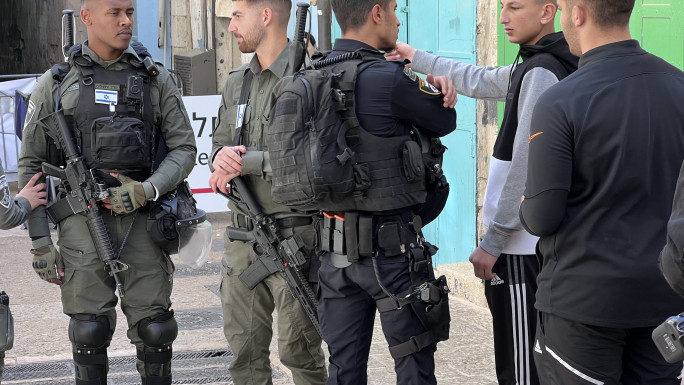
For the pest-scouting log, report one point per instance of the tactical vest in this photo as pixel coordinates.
(113, 122)
(322, 159)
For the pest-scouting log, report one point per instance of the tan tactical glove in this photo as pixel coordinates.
(46, 260)
(128, 197)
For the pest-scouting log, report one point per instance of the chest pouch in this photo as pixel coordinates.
(120, 143)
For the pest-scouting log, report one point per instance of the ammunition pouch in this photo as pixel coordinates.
(351, 235)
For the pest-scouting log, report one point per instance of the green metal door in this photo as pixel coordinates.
(659, 27)
(447, 28)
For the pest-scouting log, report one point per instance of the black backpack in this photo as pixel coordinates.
(323, 160)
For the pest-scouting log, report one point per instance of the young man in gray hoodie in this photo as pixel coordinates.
(506, 256)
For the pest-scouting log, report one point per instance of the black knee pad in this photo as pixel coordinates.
(89, 331)
(159, 330)
(90, 336)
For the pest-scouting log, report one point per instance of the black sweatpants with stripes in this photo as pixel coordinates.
(511, 297)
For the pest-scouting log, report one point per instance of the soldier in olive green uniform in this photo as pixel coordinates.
(260, 27)
(13, 212)
(118, 108)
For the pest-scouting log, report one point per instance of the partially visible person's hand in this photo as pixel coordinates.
(47, 262)
(446, 87)
(229, 160)
(483, 262)
(126, 198)
(218, 181)
(34, 192)
(401, 51)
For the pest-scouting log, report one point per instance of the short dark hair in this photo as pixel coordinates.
(352, 14)
(310, 38)
(281, 8)
(607, 13)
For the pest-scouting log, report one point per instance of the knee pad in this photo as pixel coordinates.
(89, 331)
(90, 335)
(159, 330)
(157, 333)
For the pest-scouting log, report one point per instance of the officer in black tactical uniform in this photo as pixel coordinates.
(119, 104)
(377, 251)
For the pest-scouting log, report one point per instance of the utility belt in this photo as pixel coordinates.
(241, 221)
(350, 236)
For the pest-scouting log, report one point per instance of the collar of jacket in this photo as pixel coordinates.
(125, 56)
(620, 48)
(279, 67)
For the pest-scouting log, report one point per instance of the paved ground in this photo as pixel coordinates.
(41, 342)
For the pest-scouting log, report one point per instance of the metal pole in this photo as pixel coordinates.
(324, 25)
(19, 76)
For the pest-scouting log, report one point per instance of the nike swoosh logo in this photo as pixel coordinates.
(535, 135)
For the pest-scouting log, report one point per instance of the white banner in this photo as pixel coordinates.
(203, 112)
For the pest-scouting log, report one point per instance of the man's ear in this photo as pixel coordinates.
(267, 16)
(579, 15)
(377, 14)
(85, 17)
(549, 13)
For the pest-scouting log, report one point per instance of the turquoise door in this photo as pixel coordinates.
(447, 28)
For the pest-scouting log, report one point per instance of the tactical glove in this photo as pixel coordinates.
(128, 197)
(46, 259)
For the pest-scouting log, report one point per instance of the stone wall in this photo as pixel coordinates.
(487, 125)
(31, 34)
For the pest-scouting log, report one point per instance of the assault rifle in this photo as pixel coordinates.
(83, 193)
(278, 254)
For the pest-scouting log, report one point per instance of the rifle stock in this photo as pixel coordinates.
(84, 191)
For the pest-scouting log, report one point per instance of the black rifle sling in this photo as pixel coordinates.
(244, 98)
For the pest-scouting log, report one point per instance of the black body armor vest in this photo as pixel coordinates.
(114, 122)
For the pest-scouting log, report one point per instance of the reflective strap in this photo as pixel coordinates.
(415, 344)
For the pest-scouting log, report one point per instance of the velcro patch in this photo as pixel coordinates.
(108, 87)
(286, 107)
